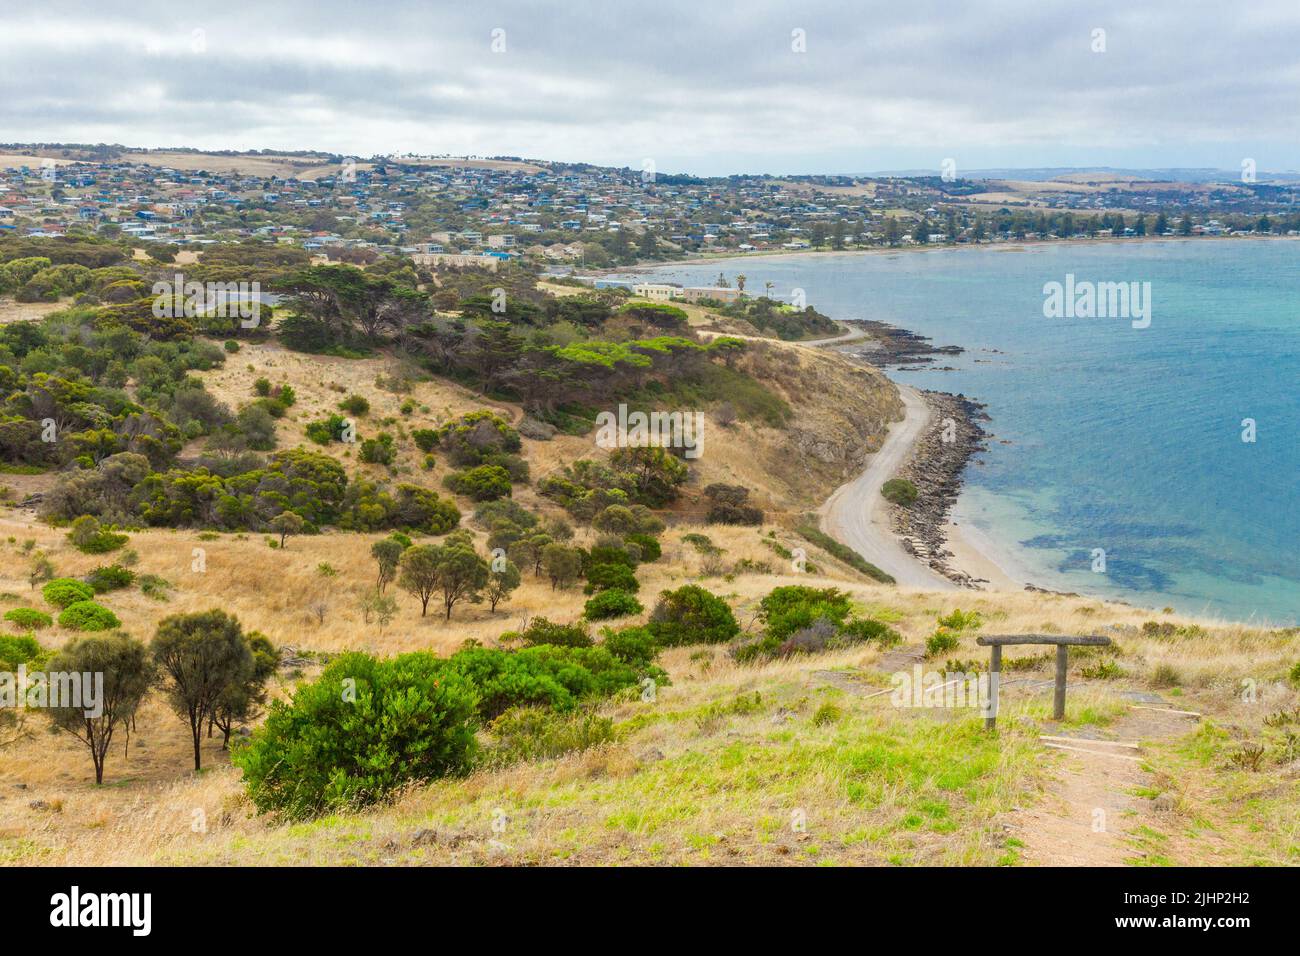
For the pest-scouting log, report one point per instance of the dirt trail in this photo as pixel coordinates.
(1092, 810)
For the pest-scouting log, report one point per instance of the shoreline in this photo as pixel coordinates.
(1016, 245)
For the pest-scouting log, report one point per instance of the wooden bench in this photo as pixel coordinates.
(1063, 643)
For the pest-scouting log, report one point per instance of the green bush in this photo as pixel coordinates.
(558, 677)
(325, 430)
(535, 733)
(611, 603)
(940, 642)
(899, 491)
(358, 733)
(426, 439)
(788, 609)
(62, 592)
(110, 578)
(960, 620)
(88, 616)
(379, 450)
(805, 620)
(481, 483)
(542, 631)
(691, 615)
(355, 405)
(604, 577)
(632, 645)
(89, 537)
(651, 550)
(28, 619)
(16, 650)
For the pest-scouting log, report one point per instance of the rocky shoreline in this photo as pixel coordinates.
(954, 435)
(889, 346)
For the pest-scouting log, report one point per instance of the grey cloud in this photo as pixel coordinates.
(706, 86)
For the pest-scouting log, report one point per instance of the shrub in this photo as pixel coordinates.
(110, 578)
(481, 483)
(62, 592)
(426, 439)
(542, 631)
(859, 631)
(88, 616)
(535, 733)
(787, 609)
(691, 615)
(728, 505)
(1294, 676)
(611, 603)
(960, 620)
(89, 537)
(361, 731)
(28, 619)
(940, 642)
(474, 437)
(355, 405)
(899, 491)
(558, 677)
(651, 550)
(16, 650)
(378, 450)
(632, 645)
(606, 551)
(603, 577)
(326, 430)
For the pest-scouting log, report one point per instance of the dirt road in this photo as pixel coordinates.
(856, 513)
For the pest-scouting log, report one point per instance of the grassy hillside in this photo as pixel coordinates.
(798, 759)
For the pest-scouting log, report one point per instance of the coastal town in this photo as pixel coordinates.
(480, 212)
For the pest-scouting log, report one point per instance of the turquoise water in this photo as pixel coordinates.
(1107, 436)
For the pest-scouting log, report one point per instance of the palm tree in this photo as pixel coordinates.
(740, 284)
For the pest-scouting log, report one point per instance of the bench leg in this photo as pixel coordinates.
(995, 675)
(1062, 668)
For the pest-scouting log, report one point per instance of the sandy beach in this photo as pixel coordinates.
(858, 515)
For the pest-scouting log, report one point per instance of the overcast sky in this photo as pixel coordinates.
(694, 85)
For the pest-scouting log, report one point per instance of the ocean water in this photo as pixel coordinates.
(1105, 437)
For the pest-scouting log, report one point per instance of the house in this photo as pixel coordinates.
(658, 292)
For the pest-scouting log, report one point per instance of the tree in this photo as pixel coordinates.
(200, 655)
(461, 575)
(561, 564)
(658, 473)
(244, 696)
(287, 523)
(127, 675)
(501, 584)
(387, 554)
(419, 573)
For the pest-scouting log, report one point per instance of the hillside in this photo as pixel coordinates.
(761, 746)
